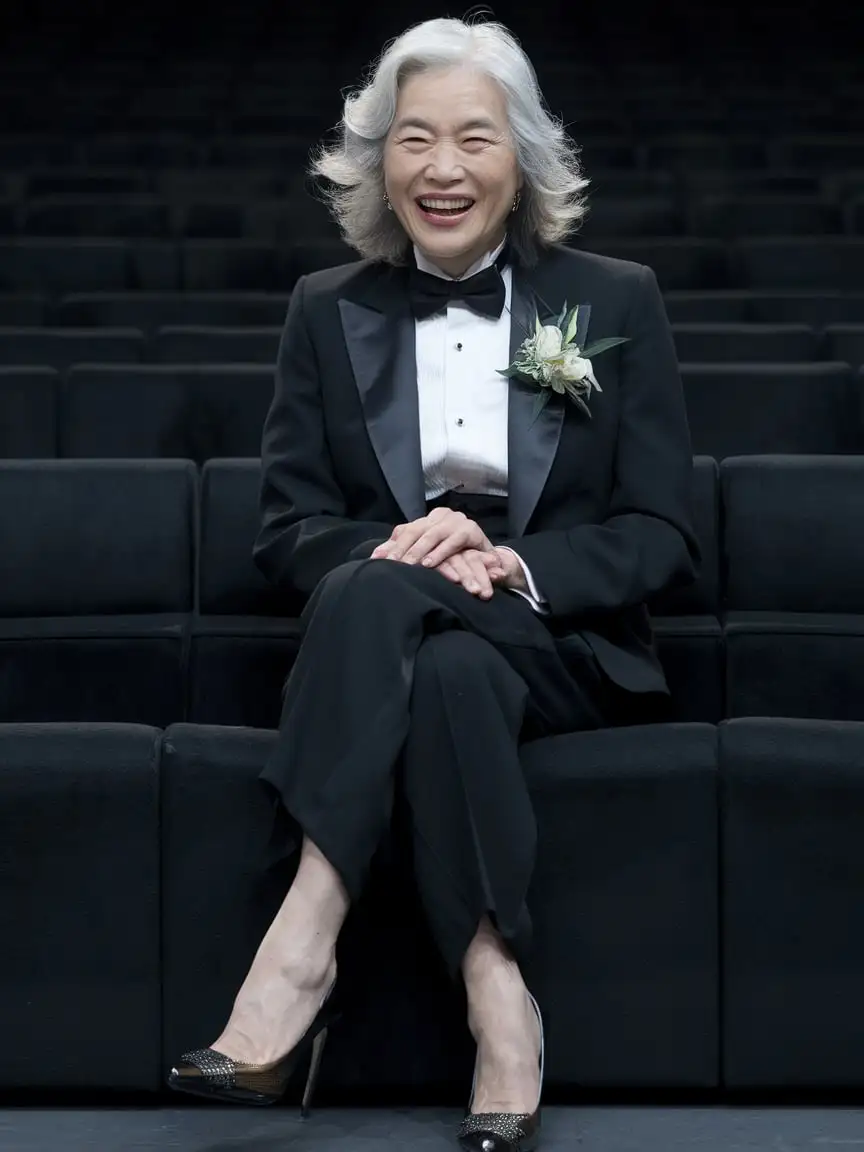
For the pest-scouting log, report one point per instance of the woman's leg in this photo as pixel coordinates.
(347, 702)
(504, 1024)
(293, 969)
(474, 830)
(344, 723)
(473, 827)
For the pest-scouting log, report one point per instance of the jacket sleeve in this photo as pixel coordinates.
(646, 545)
(304, 531)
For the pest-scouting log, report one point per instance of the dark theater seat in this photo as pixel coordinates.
(149, 311)
(793, 950)
(686, 625)
(245, 635)
(29, 400)
(62, 347)
(738, 409)
(604, 929)
(795, 600)
(194, 411)
(199, 345)
(97, 581)
(746, 343)
(79, 825)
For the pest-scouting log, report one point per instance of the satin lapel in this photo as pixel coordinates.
(531, 444)
(379, 334)
(582, 318)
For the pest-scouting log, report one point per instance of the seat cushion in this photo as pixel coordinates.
(100, 536)
(807, 664)
(625, 957)
(128, 669)
(28, 412)
(793, 871)
(238, 666)
(190, 411)
(692, 652)
(79, 825)
(749, 409)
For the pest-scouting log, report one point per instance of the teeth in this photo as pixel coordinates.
(428, 203)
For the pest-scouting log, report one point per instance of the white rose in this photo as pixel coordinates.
(548, 341)
(576, 367)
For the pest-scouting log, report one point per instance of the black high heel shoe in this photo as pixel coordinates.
(206, 1072)
(504, 1131)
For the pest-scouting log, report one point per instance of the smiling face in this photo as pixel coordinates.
(450, 169)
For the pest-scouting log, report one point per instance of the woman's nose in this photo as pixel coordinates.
(445, 159)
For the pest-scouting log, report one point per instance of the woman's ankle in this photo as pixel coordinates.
(487, 956)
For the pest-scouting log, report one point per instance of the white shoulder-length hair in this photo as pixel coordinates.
(551, 202)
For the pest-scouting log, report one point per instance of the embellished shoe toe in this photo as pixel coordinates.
(206, 1072)
(499, 1131)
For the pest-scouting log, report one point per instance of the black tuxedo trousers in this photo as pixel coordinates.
(406, 681)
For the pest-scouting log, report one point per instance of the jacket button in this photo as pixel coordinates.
(460, 421)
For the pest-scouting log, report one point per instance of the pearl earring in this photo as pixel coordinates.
(386, 200)
(517, 199)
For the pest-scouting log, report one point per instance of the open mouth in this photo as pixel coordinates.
(435, 208)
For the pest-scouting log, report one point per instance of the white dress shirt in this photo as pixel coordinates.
(463, 401)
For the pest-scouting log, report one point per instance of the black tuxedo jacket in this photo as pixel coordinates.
(599, 508)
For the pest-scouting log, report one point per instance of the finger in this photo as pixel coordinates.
(480, 574)
(492, 562)
(472, 575)
(410, 532)
(424, 545)
(446, 545)
(447, 569)
(446, 525)
(464, 572)
(490, 559)
(384, 547)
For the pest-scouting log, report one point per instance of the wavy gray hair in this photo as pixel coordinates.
(551, 202)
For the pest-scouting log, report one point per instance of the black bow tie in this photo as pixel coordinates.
(483, 292)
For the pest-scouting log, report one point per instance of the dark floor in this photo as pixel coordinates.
(204, 1129)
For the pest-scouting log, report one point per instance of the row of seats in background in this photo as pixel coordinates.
(281, 141)
(644, 205)
(207, 409)
(62, 347)
(129, 594)
(62, 265)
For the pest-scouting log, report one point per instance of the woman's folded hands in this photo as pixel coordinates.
(458, 548)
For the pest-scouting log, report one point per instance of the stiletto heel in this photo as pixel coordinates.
(314, 1068)
(206, 1072)
(504, 1131)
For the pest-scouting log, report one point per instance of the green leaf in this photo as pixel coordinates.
(508, 372)
(580, 403)
(572, 325)
(602, 345)
(523, 376)
(537, 325)
(540, 402)
(560, 321)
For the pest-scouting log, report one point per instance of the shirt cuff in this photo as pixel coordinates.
(533, 596)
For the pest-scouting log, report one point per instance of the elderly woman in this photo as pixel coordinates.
(477, 512)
